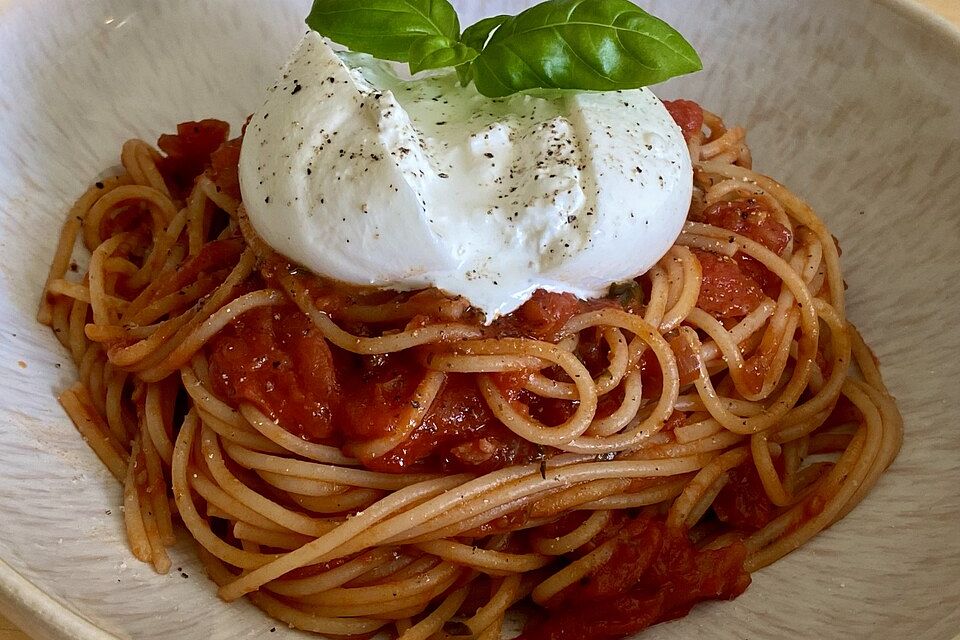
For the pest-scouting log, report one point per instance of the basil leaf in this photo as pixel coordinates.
(598, 45)
(387, 29)
(628, 294)
(435, 52)
(475, 36)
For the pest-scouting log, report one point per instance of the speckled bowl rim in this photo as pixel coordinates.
(42, 617)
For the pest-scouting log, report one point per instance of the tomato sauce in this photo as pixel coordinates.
(743, 503)
(459, 432)
(278, 360)
(749, 218)
(654, 574)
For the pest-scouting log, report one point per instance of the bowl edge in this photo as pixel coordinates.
(39, 614)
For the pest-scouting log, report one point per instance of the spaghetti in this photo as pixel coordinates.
(359, 461)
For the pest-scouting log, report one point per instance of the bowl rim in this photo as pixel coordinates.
(39, 615)
(42, 617)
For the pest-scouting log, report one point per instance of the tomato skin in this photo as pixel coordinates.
(276, 359)
(188, 152)
(543, 315)
(687, 114)
(223, 169)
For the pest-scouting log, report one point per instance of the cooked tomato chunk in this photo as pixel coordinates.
(725, 290)
(654, 574)
(687, 114)
(276, 359)
(188, 152)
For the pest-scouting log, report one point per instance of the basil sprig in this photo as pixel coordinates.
(593, 45)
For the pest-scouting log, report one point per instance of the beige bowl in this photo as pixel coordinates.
(855, 104)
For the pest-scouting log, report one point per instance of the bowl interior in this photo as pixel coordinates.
(853, 105)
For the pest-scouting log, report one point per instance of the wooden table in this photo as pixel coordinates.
(947, 8)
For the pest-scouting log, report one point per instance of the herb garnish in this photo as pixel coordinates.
(593, 45)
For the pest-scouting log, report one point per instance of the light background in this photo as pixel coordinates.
(950, 9)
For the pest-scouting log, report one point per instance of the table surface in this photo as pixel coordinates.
(950, 9)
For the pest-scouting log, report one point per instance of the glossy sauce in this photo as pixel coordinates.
(654, 574)
(277, 360)
(743, 503)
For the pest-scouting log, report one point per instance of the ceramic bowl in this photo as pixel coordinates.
(853, 104)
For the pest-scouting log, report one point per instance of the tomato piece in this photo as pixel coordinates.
(688, 364)
(725, 291)
(687, 114)
(223, 170)
(459, 432)
(604, 620)
(743, 502)
(188, 152)
(377, 390)
(749, 218)
(541, 317)
(653, 574)
(636, 546)
(278, 360)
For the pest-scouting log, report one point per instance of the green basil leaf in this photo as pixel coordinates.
(387, 29)
(628, 294)
(596, 45)
(475, 36)
(436, 52)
